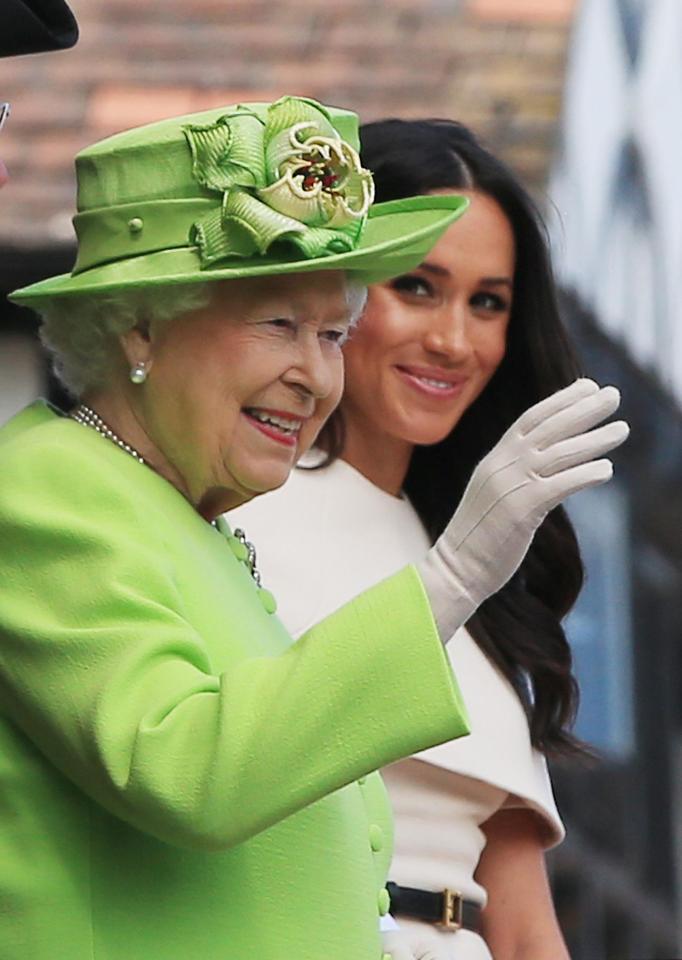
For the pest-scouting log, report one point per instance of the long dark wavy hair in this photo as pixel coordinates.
(519, 628)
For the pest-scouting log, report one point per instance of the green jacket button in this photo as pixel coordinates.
(267, 599)
(238, 549)
(362, 781)
(376, 837)
(384, 902)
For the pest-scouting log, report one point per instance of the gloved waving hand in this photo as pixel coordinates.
(549, 453)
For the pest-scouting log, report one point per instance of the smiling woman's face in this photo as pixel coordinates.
(429, 341)
(239, 389)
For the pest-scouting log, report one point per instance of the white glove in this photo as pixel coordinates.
(401, 945)
(545, 456)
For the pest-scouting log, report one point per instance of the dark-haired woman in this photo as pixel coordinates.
(443, 362)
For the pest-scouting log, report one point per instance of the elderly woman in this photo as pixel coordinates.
(178, 778)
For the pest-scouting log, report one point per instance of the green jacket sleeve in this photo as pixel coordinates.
(102, 670)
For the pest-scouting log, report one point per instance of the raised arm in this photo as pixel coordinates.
(549, 453)
(201, 730)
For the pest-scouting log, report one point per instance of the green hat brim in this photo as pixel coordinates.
(396, 238)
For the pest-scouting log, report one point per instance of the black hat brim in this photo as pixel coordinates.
(36, 26)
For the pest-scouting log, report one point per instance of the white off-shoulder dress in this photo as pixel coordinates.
(349, 534)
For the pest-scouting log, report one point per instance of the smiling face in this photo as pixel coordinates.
(239, 389)
(429, 341)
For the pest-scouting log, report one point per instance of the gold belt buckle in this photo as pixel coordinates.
(452, 910)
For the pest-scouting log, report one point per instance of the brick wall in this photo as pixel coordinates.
(496, 64)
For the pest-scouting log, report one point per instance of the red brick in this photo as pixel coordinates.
(53, 152)
(533, 11)
(497, 64)
(33, 108)
(113, 108)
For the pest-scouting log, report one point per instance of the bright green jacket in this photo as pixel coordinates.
(178, 779)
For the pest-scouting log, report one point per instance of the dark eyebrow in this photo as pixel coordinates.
(485, 281)
(434, 268)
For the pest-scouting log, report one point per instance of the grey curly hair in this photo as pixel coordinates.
(81, 333)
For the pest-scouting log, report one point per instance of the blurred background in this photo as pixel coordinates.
(582, 98)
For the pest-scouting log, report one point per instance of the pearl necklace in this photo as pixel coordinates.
(87, 416)
(250, 558)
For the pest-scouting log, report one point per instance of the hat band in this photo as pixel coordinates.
(120, 232)
(133, 229)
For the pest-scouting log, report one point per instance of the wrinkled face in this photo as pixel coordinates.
(238, 390)
(429, 341)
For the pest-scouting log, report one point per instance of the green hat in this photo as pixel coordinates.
(241, 191)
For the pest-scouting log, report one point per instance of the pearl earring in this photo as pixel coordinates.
(138, 372)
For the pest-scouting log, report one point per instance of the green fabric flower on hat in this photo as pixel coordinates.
(289, 177)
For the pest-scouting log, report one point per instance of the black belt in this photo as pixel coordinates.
(447, 907)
